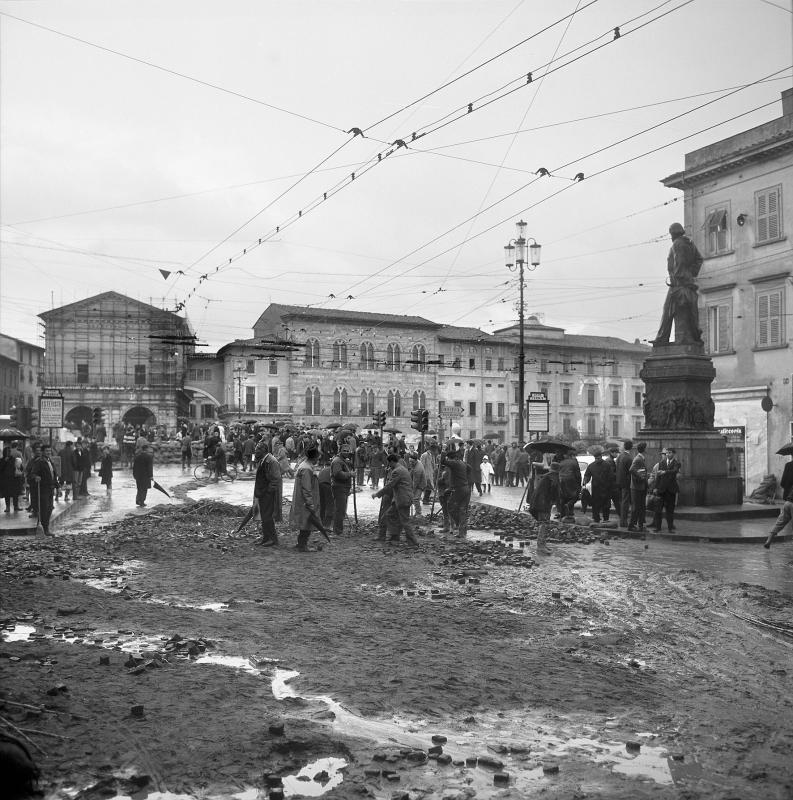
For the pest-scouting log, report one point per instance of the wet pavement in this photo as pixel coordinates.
(699, 547)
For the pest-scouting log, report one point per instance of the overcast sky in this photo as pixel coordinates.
(144, 136)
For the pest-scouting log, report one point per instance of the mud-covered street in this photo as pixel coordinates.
(165, 656)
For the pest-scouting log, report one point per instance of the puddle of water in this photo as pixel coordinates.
(19, 633)
(235, 662)
(304, 784)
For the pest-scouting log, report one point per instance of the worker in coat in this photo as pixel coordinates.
(304, 514)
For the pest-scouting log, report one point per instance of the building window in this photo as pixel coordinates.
(394, 403)
(567, 424)
(718, 327)
(272, 399)
(418, 358)
(207, 411)
(545, 388)
(717, 231)
(82, 373)
(472, 408)
(591, 426)
(250, 366)
(441, 360)
(393, 357)
(767, 208)
(140, 374)
(615, 367)
(500, 364)
(591, 396)
(340, 401)
(312, 353)
(339, 354)
(273, 367)
(488, 365)
(312, 401)
(637, 398)
(250, 398)
(419, 400)
(456, 363)
(367, 356)
(590, 367)
(501, 410)
(565, 395)
(543, 365)
(769, 318)
(471, 363)
(615, 397)
(488, 411)
(367, 403)
(615, 426)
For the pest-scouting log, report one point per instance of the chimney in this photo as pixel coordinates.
(787, 102)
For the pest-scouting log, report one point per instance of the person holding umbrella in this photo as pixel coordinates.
(267, 492)
(143, 473)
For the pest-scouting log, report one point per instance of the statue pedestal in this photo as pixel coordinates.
(678, 412)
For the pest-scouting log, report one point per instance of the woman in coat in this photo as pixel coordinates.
(304, 514)
(8, 480)
(106, 469)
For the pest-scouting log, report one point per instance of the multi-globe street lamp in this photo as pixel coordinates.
(515, 252)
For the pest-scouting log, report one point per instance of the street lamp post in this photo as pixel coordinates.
(239, 373)
(515, 252)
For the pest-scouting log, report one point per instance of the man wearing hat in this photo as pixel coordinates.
(683, 265)
(623, 482)
(545, 496)
(602, 477)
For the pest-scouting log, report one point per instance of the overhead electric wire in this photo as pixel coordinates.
(169, 71)
(478, 67)
(370, 164)
(574, 161)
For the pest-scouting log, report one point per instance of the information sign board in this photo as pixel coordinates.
(537, 413)
(451, 412)
(51, 410)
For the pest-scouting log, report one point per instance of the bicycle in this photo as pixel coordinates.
(206, 471)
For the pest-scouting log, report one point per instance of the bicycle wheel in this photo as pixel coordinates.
(202, 472)
(231, 472)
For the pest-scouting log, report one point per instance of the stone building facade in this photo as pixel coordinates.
(21, 363)
(319, 366)
(738, 199)
(119, 355)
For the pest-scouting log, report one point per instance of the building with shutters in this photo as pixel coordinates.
(738, 199)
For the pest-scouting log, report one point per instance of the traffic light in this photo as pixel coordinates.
(381, 418)
(33, 419)
(97, 417)
(415, 419)
(375, 420)
(14, 422)
(425, 420)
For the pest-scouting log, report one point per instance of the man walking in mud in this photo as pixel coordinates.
(267, 492)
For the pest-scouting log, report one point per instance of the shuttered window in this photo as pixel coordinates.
(769, 318)
(716, 322)
(718, 234)
(768, 204)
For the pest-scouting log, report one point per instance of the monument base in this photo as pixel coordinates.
(679, 413)
(703, 477)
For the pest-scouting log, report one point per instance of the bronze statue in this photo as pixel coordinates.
(683, 264)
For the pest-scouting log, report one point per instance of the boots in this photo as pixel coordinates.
(302, 541)
(542, 547)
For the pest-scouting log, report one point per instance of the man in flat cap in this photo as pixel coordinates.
(683, 264)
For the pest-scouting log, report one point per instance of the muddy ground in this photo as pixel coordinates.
(590, 673)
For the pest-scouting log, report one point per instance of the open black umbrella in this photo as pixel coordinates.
(391, 430)
(12, 433)
(785, 450)
(331, 426)
(548, 446)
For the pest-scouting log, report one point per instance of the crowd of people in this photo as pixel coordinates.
(327, 466)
